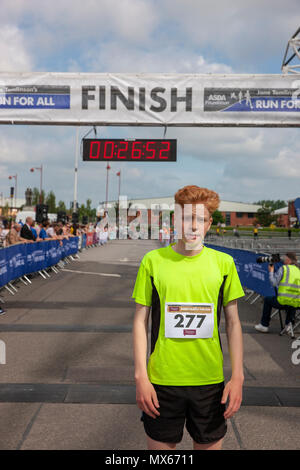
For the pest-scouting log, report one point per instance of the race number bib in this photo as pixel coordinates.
(189, 320)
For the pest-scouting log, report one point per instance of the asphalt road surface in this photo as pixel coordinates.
(68, 381)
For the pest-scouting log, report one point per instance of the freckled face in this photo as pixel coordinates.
(195, 222)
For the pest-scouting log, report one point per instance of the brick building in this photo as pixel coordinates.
(234, 213)
(292, 217)
(283, 217)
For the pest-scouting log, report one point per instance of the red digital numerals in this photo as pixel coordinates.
(129, 150)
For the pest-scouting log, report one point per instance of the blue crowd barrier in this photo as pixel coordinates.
(253, 275)
(22, 259)
(83, 240)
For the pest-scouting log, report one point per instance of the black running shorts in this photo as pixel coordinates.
(199, 406)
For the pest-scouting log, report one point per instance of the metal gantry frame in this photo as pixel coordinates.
(292, 55)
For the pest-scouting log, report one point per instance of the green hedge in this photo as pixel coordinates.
(263, 229)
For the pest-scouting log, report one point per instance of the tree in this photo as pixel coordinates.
(265, 217)
(5, 211)
(36, 196)
(87, 211)
(217, 217)
(268, 203)
(50, 201)
(61, 207)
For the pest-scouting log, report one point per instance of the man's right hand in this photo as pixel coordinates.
(146, 398)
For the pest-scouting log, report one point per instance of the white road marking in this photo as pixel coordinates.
(96, 274)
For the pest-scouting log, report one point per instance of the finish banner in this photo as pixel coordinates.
(150, 99)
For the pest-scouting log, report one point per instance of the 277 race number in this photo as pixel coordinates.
(189, 320)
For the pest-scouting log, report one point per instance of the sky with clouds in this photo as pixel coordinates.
(190, 36)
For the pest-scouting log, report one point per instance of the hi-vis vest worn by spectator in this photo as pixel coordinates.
(289, 286)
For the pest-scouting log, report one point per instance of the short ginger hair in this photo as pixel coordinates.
(194, 194)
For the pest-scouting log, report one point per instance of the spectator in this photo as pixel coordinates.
(3, 232)
(13, 237)
(43, 231)
(34, 230)
(103, 236)
(26, 231)
(112, 233)
(2, 237)
(50, 231)
(66, 231)
(74, 229)
(235, 232)
(166, 236)
(58, 228)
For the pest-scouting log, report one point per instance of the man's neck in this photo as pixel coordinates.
(180, 247)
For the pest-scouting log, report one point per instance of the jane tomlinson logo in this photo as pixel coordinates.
(2, 352)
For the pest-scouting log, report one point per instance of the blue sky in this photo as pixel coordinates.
(190, 36)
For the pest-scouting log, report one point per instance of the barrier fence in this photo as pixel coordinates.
(23, 259)
(20, 260)
(254, 278)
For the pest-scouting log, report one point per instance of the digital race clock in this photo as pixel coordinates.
(129, 150)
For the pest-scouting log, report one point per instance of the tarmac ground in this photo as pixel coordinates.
(68, 380)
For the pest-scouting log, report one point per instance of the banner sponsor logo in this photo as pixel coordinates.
(189, 332)
(3, 267)
(251, 100)
(17, 261)
(35, 97)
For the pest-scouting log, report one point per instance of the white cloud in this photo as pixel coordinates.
(245, 32)
(285, 165)
(116, 57)
(152, 36)
(14, 57)
(59, 24)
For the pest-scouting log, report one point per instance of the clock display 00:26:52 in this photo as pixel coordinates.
(129, 150)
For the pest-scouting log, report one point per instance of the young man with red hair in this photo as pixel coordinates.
(185, 285)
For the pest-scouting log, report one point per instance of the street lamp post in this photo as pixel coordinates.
(119, 175)
(106, 198)
(76, 163)
(16, 182)
(40, 168)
